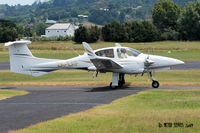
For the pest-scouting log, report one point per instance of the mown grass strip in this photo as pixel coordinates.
(84, 78)
(141, 113)
(10, 93)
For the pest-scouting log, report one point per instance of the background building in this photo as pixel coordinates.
(60, 29)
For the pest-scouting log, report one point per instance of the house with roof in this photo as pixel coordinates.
(60, 29)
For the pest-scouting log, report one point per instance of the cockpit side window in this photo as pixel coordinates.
(105, 53)
(121, 52)
(126, 52)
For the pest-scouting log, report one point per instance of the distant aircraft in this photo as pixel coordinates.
(118, 60)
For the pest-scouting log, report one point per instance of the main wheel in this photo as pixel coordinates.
(112, 87)
(155, 84)
(120, 83)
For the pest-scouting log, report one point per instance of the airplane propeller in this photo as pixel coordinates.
(147, 64)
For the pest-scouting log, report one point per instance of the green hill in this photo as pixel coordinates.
(99, 11)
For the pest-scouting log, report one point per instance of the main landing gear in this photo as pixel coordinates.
(155, 84)
(117, 83)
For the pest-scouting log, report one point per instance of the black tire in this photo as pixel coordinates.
(120, 83)
(111, 87)
(155, 84)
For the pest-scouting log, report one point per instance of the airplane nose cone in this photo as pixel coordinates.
(173, 62)
(179, 62)
(162, 61)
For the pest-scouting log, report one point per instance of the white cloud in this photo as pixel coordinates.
(15, 2)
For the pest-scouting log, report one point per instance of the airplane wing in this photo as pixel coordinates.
(101, 63)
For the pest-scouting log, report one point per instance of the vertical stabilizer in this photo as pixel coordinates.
(19, 54)
(22, 61)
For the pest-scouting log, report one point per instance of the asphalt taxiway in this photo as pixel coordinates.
(46, 103)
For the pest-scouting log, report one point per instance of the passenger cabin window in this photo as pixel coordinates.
(127, 52)
(105, 53)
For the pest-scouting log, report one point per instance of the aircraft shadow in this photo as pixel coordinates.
(106, 88)
(8, 88)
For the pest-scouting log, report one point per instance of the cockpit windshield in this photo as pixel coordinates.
(127, 52)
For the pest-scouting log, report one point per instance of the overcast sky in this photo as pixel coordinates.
(15, 2)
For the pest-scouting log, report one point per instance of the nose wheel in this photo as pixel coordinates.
(155, 84)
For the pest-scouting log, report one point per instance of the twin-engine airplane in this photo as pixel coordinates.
(118, 60)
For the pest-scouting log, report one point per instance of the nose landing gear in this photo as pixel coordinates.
(155, 84)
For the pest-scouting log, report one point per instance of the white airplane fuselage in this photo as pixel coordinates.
(131, 65)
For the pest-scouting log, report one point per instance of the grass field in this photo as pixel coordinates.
(186, 51)
(139, 113)
(73, 77)
(10, 93)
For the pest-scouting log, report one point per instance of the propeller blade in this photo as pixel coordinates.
(94, 74)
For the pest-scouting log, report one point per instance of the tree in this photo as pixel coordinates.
(94, 33)
(40, 28)
(143, 31)
(8, 31)
(137, 31)
(34, 37)
(190, 21)
(101, 17)
(114, 31)
(7, 23)
(7, 34)
(165, 15)
(81, 35)
(150, 32)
